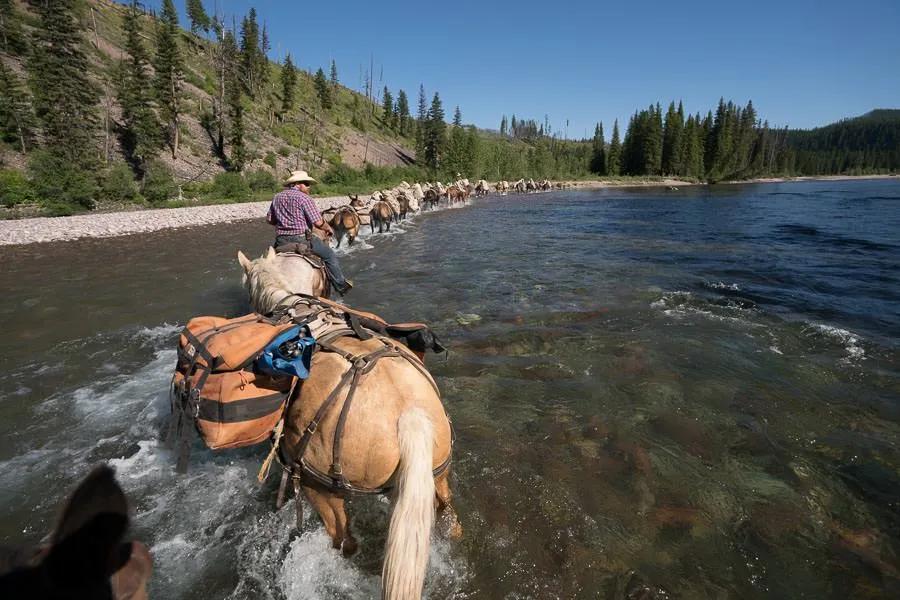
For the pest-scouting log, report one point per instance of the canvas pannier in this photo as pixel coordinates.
(217, 386)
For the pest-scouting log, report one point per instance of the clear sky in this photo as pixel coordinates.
(804, 63)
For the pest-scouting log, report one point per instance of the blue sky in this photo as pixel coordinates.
(804, 63)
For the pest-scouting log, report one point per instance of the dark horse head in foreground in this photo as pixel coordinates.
(86, 557)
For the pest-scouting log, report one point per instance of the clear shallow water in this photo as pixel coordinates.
(695, 392)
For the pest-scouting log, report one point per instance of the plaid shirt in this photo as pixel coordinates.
(292, 212)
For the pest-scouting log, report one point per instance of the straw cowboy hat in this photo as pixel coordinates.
(299, 177)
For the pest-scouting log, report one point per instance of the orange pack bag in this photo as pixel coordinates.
(215, 387)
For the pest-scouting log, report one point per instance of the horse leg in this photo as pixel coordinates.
(348, 542)
(446, 516)
(320, 503)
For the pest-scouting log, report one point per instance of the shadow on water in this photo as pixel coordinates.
(656, 394)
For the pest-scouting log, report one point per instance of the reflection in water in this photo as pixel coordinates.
(687, 393)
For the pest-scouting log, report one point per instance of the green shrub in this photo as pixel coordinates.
(15, 188)
(61, 185)
(118, 185)
(270, 159)
(230, 186)
(159, 184)
(285, 151)
(261, 181)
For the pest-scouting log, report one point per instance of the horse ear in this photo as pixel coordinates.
(245, 262)
(270, 254)
(87, 544)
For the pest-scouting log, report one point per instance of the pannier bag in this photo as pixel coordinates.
(232, 379)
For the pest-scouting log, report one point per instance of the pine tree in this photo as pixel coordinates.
(333, 78)
(234, 65)
(140, 129)
(672, 134)
(65, 99)
(421, 123)
(262, 60)
(17, 123)
(250, 52)
(387, 114)
(457, 117)
(598, 151)
(436, 134)
(503, 125)
(169, 73)
(402, 113)
(614, 157)
(198, 17)
(288, 83)
(322, 89)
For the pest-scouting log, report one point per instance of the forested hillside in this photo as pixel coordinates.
(107, 104)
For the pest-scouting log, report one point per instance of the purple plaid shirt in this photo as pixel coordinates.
(292, 212)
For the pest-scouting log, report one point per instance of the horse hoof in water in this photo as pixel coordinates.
(349, 547)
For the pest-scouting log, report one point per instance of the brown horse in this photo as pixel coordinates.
(455, 194)
(382, 213)
(431, 198)
(345, 222)
(396, 434)
(86, 558)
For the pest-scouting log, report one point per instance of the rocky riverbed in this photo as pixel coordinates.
(97, 225)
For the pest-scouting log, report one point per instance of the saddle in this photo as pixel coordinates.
(303, 250)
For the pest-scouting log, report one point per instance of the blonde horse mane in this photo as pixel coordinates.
(267, 282)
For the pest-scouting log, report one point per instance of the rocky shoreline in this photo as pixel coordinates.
(99, 225)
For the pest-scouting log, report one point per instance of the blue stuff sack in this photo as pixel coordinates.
(288, 354)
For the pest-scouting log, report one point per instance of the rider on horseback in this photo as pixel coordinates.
(295, 217)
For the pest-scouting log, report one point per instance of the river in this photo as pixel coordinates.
(694, 392)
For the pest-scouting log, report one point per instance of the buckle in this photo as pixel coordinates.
(311, 428)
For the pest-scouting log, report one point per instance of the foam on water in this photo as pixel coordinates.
(851, 342)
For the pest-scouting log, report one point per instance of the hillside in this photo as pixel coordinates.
(865, 144)
(307, 137)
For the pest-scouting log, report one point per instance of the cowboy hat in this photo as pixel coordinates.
(299, 177)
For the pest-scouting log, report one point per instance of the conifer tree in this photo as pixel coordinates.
(199, 19)
(402, 113)
(250, 52)
(672, 144)
(233, 93)
(169, 73)
(322, 89)
(288, 83)
(17, 123)
(387, 114)
(262, 60)
(333, 77)
(503, 125)
(421, 123)
(457, 117)
(435, 135)
(598, 151)
(614, 157)
(140, 129)
(65, 99)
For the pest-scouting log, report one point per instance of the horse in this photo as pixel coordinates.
(520, 186)
(431, 198)
(396, 433)
(382, 213)
(403, 201)
(345, 221)
(455, 194)
(86, 557)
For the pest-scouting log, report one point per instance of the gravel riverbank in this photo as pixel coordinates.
(98, 225)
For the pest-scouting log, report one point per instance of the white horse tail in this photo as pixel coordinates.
(409, 535)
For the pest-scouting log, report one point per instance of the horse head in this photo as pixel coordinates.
(87, 557)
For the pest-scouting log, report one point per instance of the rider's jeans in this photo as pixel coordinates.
(322, 250)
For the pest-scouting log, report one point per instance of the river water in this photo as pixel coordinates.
(688, 393)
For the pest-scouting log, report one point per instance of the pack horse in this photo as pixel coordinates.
(349, 406)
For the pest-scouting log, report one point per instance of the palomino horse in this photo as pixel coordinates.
(86, 557)
(396, 435)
